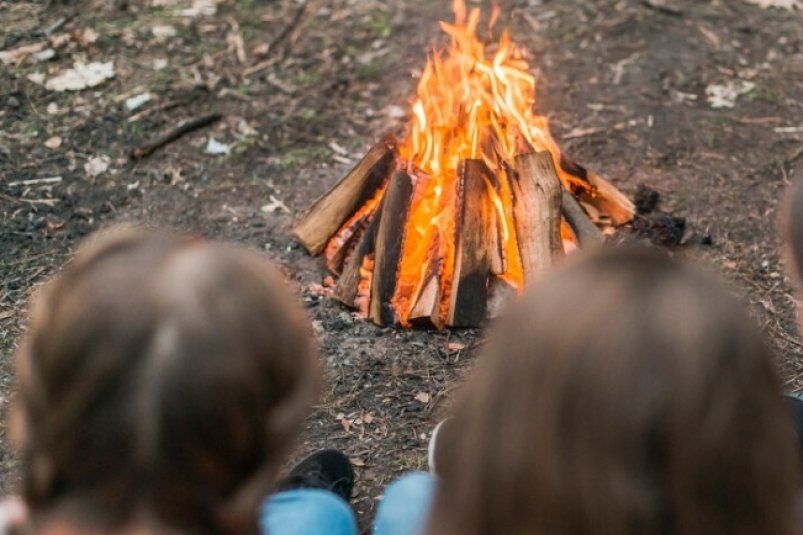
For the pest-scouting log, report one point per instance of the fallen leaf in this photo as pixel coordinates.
(725, 95)
(423, 397)
(216, 148)
(86, 37)
(18, 55)
(455, 346)
(52, 108)
(791, 5)
(53, 143)
(159, 64)
(346, 424)
(97, 165)
(82, 76)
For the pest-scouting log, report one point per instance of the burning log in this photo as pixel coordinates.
(329, 213)
(473, 243)
(600, 193)
(389, 238)
(536, 205)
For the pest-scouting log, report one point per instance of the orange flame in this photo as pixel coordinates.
(470, 105)
(473, 102)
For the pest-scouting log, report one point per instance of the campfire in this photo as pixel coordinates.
(470, 206)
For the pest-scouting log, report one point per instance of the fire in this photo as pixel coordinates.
(474, 102)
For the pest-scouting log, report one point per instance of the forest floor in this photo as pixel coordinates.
(304, 88)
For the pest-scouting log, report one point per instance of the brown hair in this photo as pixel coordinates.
(162, 378)
(792, 227)
(626, 394)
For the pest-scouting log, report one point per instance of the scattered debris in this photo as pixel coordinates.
(36, 77)
(82, 76)
(725, 95)
(663, 6)
(97, 165)
(661, 229)
(789, 130)
(791, 5)
(18, 55)
(45, 55)
(164, 31)
(422, 397)
(201, 8)
(275, 205)
(216, 148)
(171, 135)
(53, 142)
(136, 101)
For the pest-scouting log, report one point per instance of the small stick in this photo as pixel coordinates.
(278, 40)
(586, 231)
(168, 137)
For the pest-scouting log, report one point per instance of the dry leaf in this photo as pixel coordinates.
(137, 100)
(86, 37)
(455, 346)
(82, 76)
(53, 143)
(201, 8)
(423, 397)
(97, 165)
(18, 55)
(36, 77)
(725, 95)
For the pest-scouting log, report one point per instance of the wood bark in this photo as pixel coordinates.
(387, 255)
(473, 229)
(536, 208)
(335, 207)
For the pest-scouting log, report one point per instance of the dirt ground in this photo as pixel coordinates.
(305, 87)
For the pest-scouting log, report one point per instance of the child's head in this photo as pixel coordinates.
(626, 394)
(161, 380)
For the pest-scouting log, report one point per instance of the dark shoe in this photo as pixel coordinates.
(325, 469)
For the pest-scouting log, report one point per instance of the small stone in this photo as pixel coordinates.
(13, 102)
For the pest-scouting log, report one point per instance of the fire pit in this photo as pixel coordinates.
(472, 204)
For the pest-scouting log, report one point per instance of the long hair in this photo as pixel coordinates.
(626, 394)
(162, 378)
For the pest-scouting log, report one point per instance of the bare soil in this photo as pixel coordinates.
(623, 83)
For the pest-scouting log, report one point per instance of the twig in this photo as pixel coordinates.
(172, 135)
(46, 202)
(278, 40)
(56, 26)
(36, 181)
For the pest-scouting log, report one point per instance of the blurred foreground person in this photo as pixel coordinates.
(161, 383)
(626, 394)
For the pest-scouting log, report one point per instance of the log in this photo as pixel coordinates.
(468, 296)
(349, 281)
(335, 207)
(604, 195)
(388, 249)
(587, 233)
(343, 243)
(536, 208)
